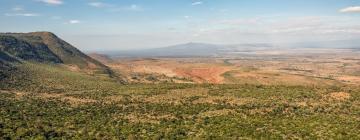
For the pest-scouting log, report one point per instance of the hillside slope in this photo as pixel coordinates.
(50, 44)
(17, 48)
(45, 48)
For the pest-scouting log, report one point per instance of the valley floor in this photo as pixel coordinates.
(298, 69)
(52, 102)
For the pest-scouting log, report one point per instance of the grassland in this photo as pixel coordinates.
(50, 102)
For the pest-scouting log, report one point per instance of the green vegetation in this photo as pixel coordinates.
(23, 50)
(47, 47)
(46, 92)
(41, 101)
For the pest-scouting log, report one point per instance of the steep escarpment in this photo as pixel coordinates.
(48, 44)
(12, 47)
(47, 48)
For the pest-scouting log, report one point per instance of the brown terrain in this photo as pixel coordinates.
(317, 67)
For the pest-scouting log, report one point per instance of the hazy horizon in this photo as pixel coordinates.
(94, 25)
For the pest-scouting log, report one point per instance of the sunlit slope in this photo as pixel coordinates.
(45, 47)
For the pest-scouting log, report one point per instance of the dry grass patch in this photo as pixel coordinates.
(301, 104)
(215, 113)
(204, 74)
(72, 100)
(18, 94)
(73, 68)
(261, 111)
(278, 78)
(147, 118)
(114, 98)
(223, 99)
(340, 96)
(178, 95)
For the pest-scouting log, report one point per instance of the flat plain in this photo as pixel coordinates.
(305, 67)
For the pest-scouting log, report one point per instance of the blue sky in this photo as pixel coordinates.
(136, 24)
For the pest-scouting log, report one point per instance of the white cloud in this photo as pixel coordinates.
(73, 21)
(17, 8)
(22, 14)
(277, 29)
(197, 3)
(19, 11)
(135, 7)
(353, 9)
(99, 4)
(52, 2)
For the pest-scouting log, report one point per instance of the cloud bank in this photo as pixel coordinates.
(353, 9)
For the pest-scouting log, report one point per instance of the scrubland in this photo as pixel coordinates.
(51, 102)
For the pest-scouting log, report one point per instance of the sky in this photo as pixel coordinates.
(105, 25)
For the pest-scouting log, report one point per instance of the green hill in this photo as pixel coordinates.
(44, 48)
(13, 47)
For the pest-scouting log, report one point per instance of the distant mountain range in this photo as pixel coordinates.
(211, 50)
(339, 44)
(190, 49)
